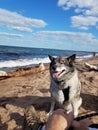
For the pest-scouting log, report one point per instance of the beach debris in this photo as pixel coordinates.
(41, 66)
(91, 67)
(3, 73)
(23, 71)
(33, 118)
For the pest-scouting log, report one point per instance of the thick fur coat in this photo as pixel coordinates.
(65, 85)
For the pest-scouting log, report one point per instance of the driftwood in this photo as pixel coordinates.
(92, 67)
(23, 71)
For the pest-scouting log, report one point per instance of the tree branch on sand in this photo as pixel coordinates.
(91, 67)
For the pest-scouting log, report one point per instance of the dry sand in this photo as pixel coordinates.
(20, 90)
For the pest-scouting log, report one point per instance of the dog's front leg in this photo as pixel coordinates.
(68, 106)
(51, 107)
(76, 103)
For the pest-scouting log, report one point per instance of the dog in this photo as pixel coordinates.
(65, 85)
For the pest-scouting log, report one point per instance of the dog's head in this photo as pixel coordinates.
(61, 66)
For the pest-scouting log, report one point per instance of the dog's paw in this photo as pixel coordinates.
(75, 114)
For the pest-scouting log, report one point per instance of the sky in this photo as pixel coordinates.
(52, 24)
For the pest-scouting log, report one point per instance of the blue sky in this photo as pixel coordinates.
(54, 24)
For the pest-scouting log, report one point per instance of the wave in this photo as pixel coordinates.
(29, 62)
(84, 56)
(23, 62)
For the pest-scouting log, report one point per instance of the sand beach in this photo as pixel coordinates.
(26, 87)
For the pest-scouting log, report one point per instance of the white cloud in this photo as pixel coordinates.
(11, 35)
(16, 21)
(90, 4)
(74, 37)
(53, 39)
(87, 8)
(24, 29)
(66, 40)
(84, 21)
(62, 2)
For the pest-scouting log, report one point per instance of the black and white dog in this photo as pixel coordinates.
(65, 85)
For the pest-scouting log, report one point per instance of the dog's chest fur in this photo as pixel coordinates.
(70, 89)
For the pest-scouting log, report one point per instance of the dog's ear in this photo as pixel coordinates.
(71, 59)
(51, 57)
